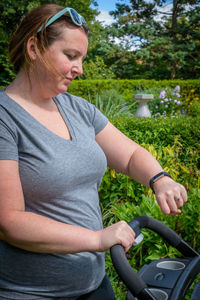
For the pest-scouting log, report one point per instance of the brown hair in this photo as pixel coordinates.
(29, 26)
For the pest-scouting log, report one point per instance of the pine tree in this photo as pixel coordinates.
(164, 36)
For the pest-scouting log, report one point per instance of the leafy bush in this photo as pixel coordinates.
(194, 109)
(161, 132)
(175, 144)
(96, 69)
(166, 101)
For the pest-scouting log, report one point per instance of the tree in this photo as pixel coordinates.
(115, 56)
(96, 69)
(166, 42)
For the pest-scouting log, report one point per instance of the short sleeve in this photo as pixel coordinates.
(8, 145)
(99, 120)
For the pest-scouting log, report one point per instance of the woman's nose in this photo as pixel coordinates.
(78, 68)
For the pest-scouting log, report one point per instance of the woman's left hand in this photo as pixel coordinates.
(170, 195)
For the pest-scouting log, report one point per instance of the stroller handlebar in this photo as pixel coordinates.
(131, 279)
(164, 231)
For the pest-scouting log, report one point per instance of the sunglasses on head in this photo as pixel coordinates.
(75, 17)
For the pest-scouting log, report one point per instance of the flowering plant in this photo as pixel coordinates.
(166, 102)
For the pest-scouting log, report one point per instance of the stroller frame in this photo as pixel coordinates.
(164, 279)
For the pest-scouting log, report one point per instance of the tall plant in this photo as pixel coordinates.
(112, 104)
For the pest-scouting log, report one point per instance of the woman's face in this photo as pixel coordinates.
(66, 55)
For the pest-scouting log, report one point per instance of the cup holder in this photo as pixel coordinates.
(171, 265)
(159, 294)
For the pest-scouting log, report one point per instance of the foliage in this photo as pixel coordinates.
(192, 99)
(181, 161)
(175, 144)
(112, 104)
(153, 247)
(194, 109)
(190, 89)
(136, 46)
(122, 62)
(96, 69)
(162, 132)
(167, 40)
(166, 102)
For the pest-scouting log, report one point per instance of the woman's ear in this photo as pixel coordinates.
(31, 48)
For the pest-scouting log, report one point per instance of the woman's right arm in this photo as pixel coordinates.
(37, 233)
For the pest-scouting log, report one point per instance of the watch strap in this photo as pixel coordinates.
(157, 177)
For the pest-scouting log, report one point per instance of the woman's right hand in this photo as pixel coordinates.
(118, 233)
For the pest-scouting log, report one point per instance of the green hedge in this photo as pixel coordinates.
(190, 89)
(161, 131)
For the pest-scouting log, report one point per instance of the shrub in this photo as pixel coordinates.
(166, 102)
(194, 109)
(161, 132)
(96, 69)
(190, 89)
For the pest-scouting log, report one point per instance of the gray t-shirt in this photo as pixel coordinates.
(60, 180)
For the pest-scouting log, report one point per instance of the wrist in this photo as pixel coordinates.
(99, 247)
(156, 178)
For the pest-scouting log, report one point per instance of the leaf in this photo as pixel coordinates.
(113, 173)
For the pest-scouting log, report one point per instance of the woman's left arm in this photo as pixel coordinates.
(126, 156)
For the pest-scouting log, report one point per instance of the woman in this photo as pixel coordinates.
(54, 150)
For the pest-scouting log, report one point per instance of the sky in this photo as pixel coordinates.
(107, 5)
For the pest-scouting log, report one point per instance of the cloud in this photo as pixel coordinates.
(165, 9)
(105, 17)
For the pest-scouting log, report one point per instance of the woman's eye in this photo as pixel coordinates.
(71, 57)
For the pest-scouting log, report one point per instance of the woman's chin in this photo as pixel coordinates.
(62, 89)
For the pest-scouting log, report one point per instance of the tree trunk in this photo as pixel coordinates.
(174, 32)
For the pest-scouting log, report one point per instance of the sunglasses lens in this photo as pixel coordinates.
(76, 17)
(83, 20)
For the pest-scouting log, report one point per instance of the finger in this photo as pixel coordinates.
(169, 209)
(174, 213)
(129, 245)
(174, 204)
(127, 230)
(163, 205)
(132, 232)
(179, 201)
(167, 203)
(129, 240)
(183, 194)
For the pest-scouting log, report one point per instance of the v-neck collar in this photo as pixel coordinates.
(63, 113)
